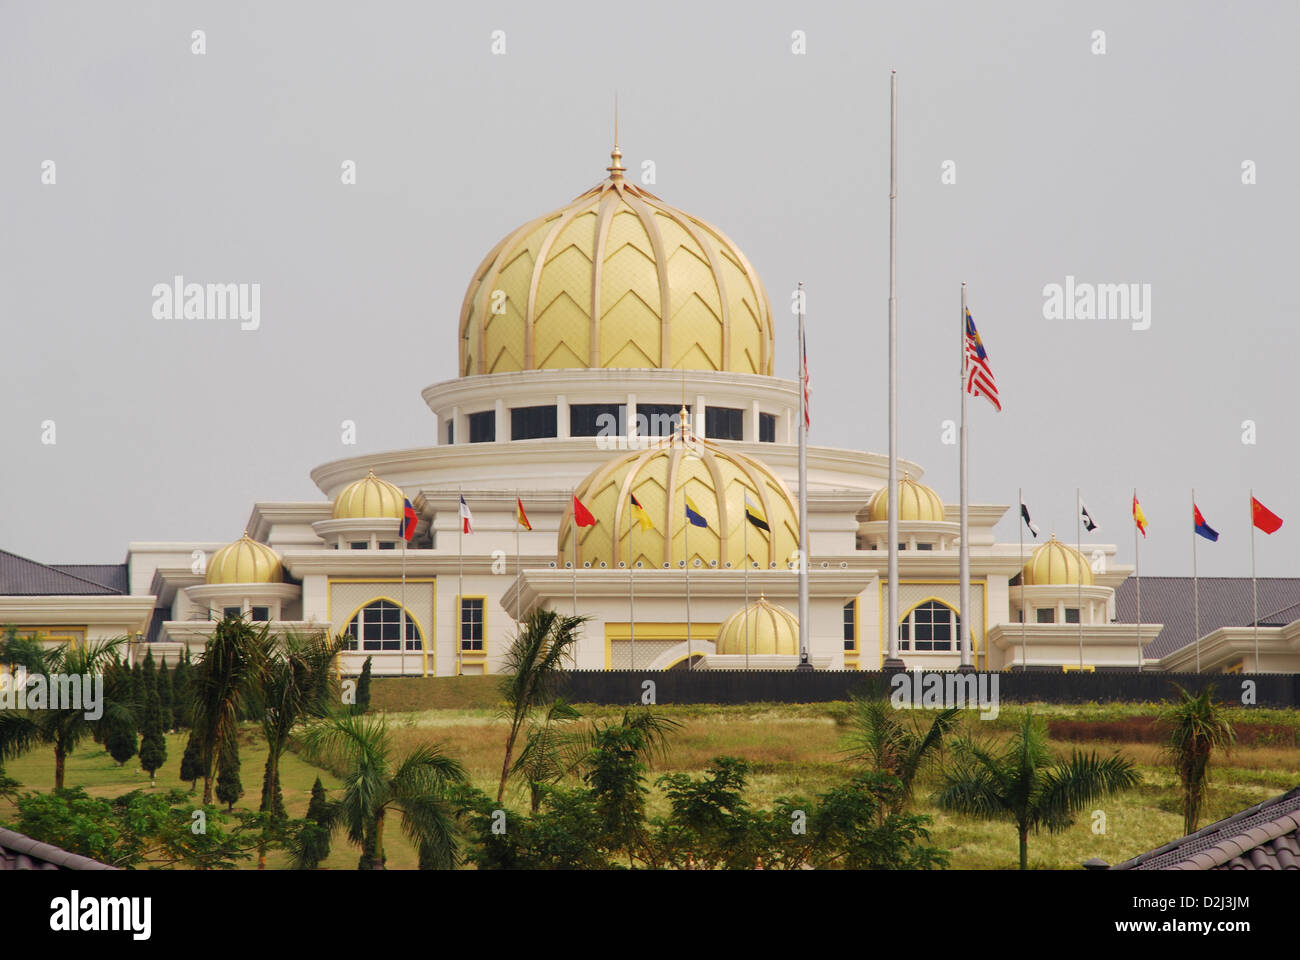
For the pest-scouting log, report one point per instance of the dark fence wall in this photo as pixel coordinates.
(764, 686)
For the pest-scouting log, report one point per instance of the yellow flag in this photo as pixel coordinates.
(643, 518)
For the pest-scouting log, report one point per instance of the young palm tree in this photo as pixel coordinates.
(881, 740)
(1026, 784)
(376, 783)
(530, 668)
(226, 682)
(67, 726)
(1197, 727)
(541, 761)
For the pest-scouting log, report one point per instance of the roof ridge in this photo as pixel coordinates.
(63, 573)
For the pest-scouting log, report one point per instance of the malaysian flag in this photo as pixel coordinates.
(979, 378)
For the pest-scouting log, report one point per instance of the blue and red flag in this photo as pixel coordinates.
(409, 520)
(1202, 528)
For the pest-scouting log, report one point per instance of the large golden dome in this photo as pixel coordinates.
(916, 501)
(616, 278)
(369, 498)
(761, 628)
(716, 481)
(1056, 564)
(245, 561)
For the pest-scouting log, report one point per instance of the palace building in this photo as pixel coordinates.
(619, 348)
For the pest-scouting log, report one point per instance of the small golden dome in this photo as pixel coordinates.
(717, 482)
(245, 561)
(765, 627)
(916, 501)
(616, 278)
(369, 498)
(1056, 564)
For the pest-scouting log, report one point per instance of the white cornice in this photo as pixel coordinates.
(133, 610)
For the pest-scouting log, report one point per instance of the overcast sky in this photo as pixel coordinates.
(1122, 167)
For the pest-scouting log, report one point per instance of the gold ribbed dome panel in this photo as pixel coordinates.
(245, 561)
(762, 628)
(1056, 564)
(916, 501)
(369, 498)
(618, 279)
(716, 481)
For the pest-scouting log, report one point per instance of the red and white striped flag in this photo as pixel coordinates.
(979, 377)
(807, 411)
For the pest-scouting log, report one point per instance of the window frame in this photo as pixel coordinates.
(461, 623)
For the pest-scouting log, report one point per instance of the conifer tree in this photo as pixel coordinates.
(229, 787)
(363, 689)
(165, 695)
(153, 746)
(182, 692)
(192, 765)
(314, 835)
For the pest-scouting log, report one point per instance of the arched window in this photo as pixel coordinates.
(378, 626)
(931, 627)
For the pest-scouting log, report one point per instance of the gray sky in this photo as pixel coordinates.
(1117, 168)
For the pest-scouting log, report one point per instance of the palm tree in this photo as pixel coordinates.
(68, 724)
(1026, 784)
(376, 783)
(1197, 727)
(879, 739)
(298, 686)
(227, 681)
(530, 668)
(541, 761)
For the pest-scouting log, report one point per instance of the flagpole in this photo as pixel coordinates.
(631, 589)
(460, 576)
(518, 585)
(1254, 590)
(403, 634)
(963, 563)
(1196, 588)
(1137, 569)
(686, 545)
(805, 662)
(1078, 543)
(575, 557)
(1024, 614)
(891, 616)
(746, 549)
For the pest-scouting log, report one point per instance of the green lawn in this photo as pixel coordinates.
(792, 749)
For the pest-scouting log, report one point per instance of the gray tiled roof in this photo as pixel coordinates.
(18, 852)
(1225, 602)
(20, 577)
(1264, 837)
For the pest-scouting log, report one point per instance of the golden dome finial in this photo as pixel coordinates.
(616, 168)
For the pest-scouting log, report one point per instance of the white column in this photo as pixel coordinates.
(631, 431)
(457, 426)
(697, 415)
(502, 426)
(751, 428)
(562, 417)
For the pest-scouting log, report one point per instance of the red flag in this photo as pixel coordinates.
(1263, 517)
(521, 518)
(581, 515)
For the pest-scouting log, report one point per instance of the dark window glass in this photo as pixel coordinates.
(724, 423)
(767, 428)
(851, 625)
(359, 544)
(658, 419)
(1046, 616)
(387, 545)
(471, 623)
(451, 432)
(1071, 614)
(261, 614)
(483, 426)
(925, 546)
(531, 423)
(378, 626)
(593, 419)
(228, 612)
(933, 626)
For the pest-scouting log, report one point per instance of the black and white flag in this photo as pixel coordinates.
(1024, 513)
(1086, 517)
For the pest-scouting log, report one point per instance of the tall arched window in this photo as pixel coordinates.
(931, 627)
(378, 626)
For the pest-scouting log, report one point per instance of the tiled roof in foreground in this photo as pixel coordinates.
(1264, 837)
(18, 852)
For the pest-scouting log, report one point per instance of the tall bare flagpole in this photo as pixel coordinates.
(746, 549)
(460, 578)
(631, 589)
(891, 616)
(686, 545)
(963, 562)
(518, 584)
(805, 661)
(403, 627)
